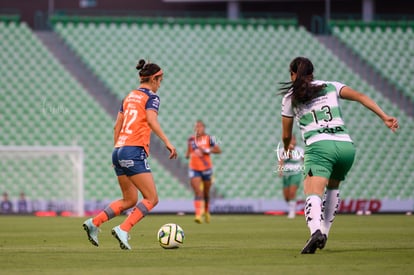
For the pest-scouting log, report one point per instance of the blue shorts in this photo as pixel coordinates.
(204, 175)
(130, 160)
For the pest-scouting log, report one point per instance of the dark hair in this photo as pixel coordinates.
(200, 121)
(146, 70)
(303, 90)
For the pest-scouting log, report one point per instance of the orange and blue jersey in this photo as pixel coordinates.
(135, 130)
(204, 142)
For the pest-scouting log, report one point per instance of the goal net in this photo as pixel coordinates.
(48, 178)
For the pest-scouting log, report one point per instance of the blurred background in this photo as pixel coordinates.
(66, 65)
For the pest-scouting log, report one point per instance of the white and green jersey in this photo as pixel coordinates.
(320, 118)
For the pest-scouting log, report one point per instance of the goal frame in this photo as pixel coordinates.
(76, 154)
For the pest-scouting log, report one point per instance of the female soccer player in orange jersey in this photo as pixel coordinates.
(200, 171)
(136, 119)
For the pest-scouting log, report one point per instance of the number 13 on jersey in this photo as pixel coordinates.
(327, 113)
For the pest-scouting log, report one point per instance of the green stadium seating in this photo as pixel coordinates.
(225, 74)
(386, 46)
(228, 75)
(43, 105)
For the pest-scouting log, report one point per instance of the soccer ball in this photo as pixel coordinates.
(170, 235)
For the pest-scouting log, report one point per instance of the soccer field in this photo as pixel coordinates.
(230, 244)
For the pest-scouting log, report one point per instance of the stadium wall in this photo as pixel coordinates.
(226, 206)
(305, 10)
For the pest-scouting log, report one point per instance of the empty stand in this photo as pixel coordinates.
(228, 75)
(41, 104)
(385, 46)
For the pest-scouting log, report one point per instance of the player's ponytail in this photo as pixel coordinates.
(302, 88)
(140, 64)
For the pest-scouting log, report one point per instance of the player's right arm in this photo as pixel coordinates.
(350, 94)
(280, 167)
(215, 149)
(287, 120)
(152, 119)
(287, 126)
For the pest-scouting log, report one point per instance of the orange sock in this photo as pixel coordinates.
(139, 211)
(199, 207)
(113, 210)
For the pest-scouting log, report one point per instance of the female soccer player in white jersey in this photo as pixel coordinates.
(329, 151)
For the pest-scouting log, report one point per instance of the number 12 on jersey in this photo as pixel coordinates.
(130, 116)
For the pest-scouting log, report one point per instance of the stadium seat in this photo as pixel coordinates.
(373, 44)
(213, 72)
(55, 113)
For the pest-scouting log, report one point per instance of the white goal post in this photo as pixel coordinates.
(50, 177)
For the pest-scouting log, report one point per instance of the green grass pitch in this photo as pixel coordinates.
(230, 244)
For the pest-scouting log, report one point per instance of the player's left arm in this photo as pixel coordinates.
(214, 147)
(350, 94)
(152, 119)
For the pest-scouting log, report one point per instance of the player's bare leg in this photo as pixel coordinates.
(291, 200)
(206, 190)
(143, 182)
(197, 185)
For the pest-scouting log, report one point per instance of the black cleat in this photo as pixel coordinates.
(323, 243)
(315, 241)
